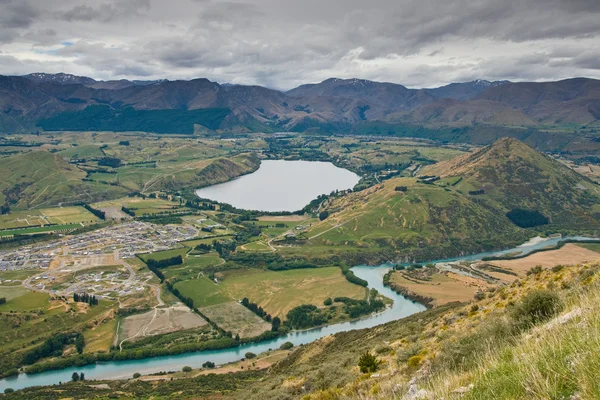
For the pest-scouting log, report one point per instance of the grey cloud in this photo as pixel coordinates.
(284, 43)
(105, 12)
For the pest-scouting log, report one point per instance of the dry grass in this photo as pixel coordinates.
(555, 360)
(234, 317)
(569, 254)
(444, 288)
(159, 321)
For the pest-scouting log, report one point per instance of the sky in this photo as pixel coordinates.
(284, 43)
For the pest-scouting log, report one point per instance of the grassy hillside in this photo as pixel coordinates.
(40, 179)
(462, 209)
(513, 175)
(503, 345)
(186, 174)
(422, 223)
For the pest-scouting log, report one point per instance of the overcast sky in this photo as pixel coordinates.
(284, 43)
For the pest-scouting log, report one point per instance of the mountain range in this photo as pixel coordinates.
(54, 101)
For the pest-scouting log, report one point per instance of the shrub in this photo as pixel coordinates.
(187, 369)
(402, 355)
(8, 390)
(328, 301)
(323, 215)
(136, 375)
(286, 346)
(414, 361)
(536, 307)
(208, 364)
(368, 363)
(557, 268)
(479, 296)
(250, 355)
(535, 270)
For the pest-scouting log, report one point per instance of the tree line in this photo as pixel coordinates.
(54, 346)
(256, 309)
(156, 265)
(167, 262)
(356, 308)
(98, 213)
(85, 298)
(128, 211)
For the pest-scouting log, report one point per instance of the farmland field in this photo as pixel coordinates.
(40, 229)
(591, 246)
(19, 219)
(12, 292)
(234, 317)
(193, 266)
(256, 246)
(100, 337)
(159, 321)
(24, 301)
(276, 292)
(141, 206)
(68, 215)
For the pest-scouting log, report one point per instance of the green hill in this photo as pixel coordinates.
(41, 179)
(423, 223)
(510, 175)
(464, 211)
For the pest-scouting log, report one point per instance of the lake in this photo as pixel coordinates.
(280, 185)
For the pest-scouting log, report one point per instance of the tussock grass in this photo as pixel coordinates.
(500, 355)
(554, 361)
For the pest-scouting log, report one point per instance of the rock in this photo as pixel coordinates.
(563, 319)
(415, 393)
(375, 375)
(463, 389)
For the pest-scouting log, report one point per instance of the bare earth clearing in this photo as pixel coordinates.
(166, 320)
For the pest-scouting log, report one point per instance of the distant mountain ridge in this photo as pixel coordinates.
(69, 79)
(334, 105)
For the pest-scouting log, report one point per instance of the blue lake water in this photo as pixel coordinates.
(280, 185)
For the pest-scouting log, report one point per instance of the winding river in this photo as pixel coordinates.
(401, 308)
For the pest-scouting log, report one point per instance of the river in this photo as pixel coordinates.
(401, 308)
